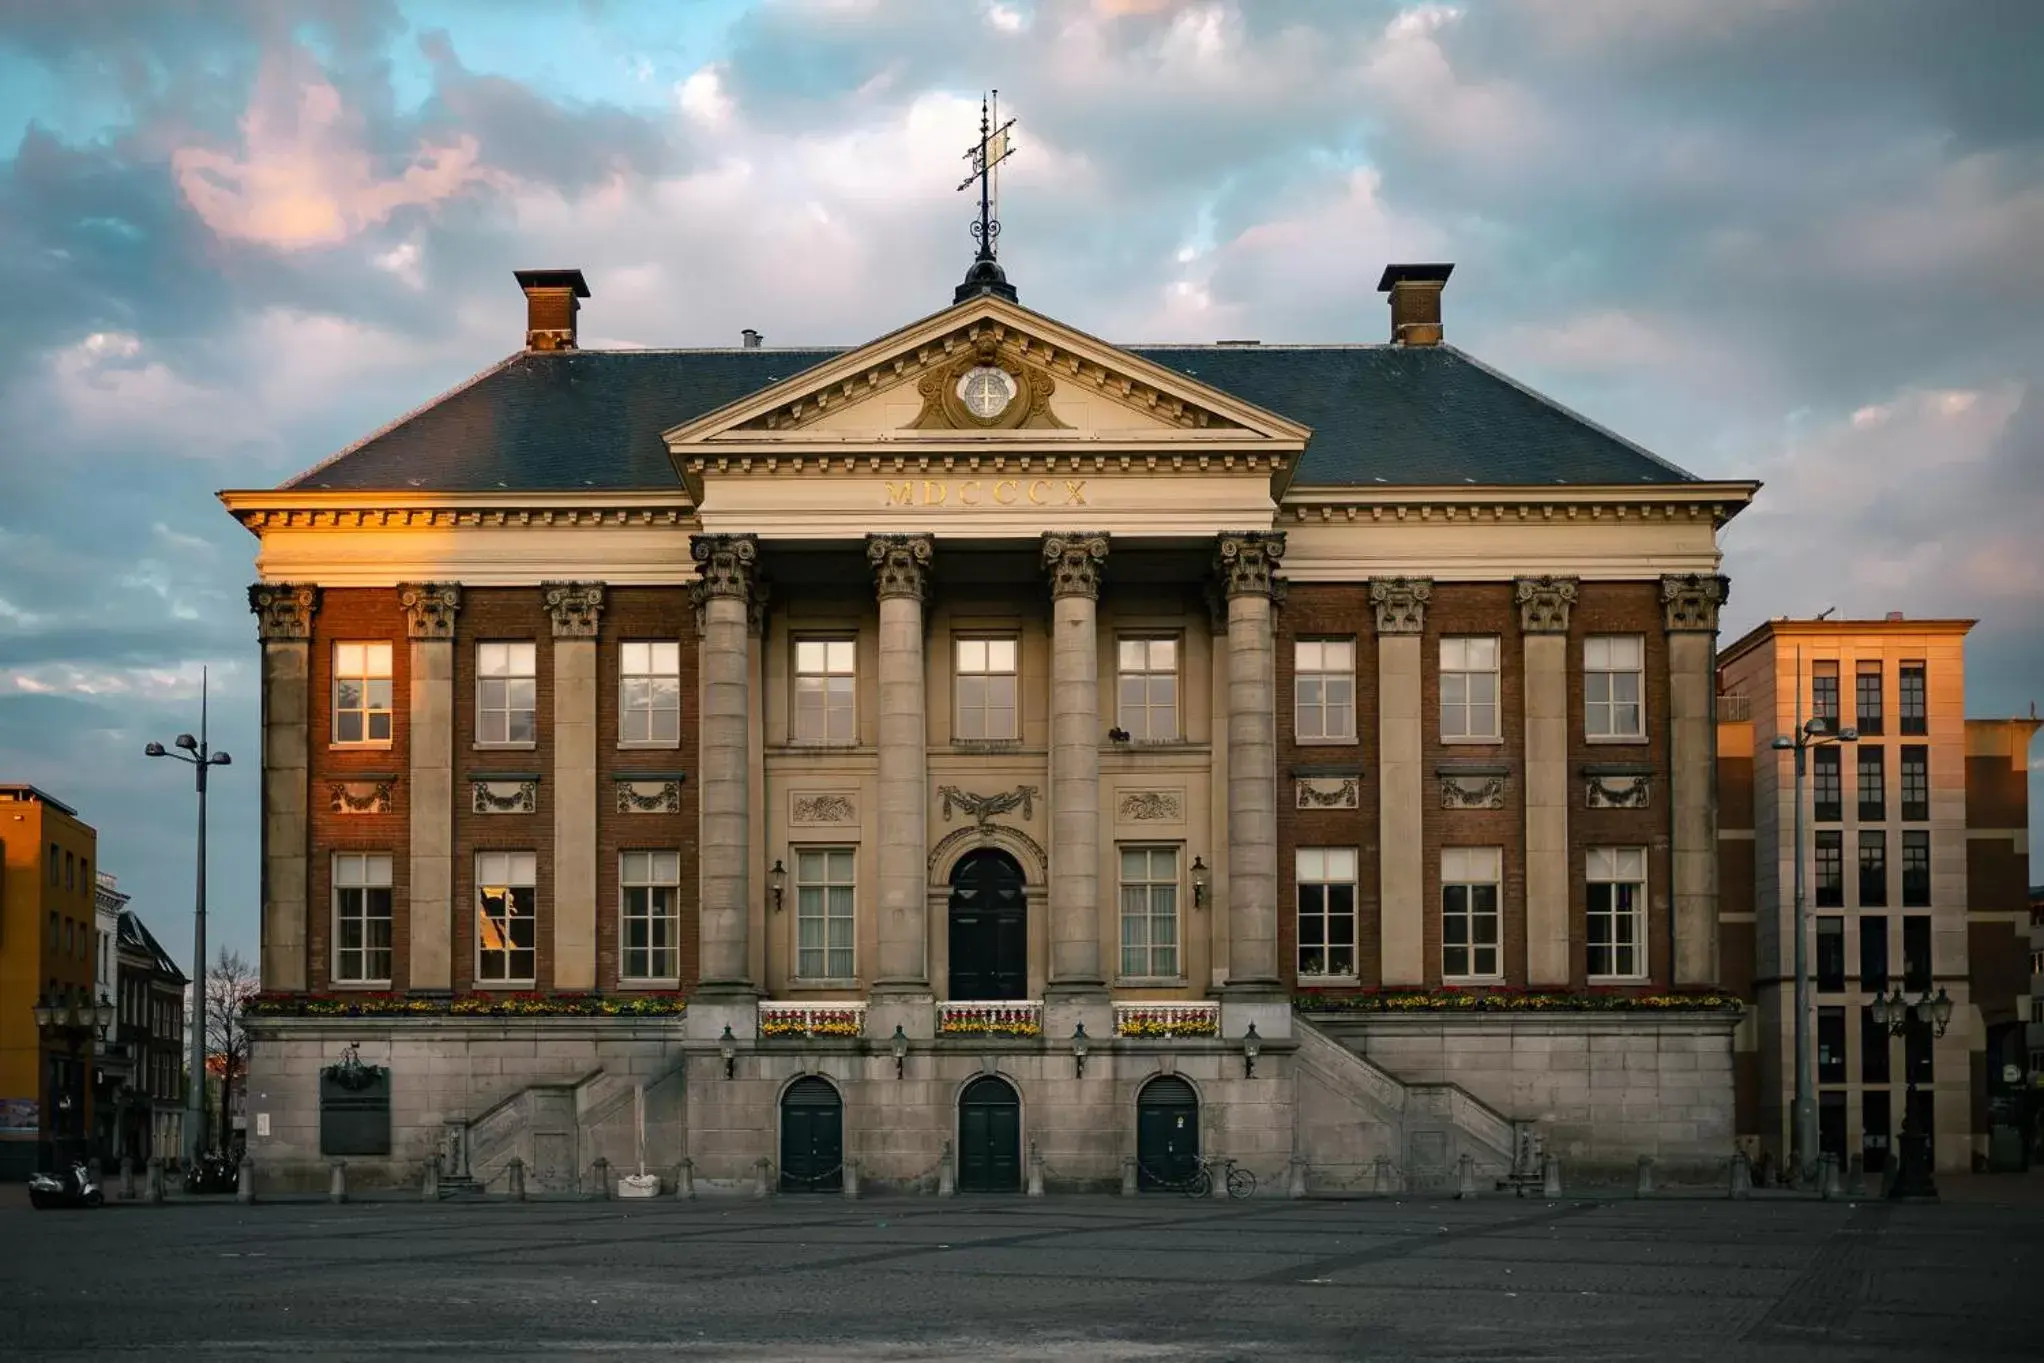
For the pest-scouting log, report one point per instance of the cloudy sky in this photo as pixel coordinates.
(1794, 240)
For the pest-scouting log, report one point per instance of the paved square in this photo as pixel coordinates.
(1148, 1279)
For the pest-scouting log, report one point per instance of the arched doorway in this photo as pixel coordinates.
(989, 928)
(989, 1137)
(812, 1137)
(1167, 1133)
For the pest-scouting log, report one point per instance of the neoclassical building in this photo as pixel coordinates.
(988, 757)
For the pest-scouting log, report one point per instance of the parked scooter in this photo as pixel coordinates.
(75, 1187)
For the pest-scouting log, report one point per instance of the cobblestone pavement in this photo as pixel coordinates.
(1152, 1280)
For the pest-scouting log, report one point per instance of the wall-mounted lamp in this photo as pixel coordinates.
(1252, 1046)
(777, 883)
(898, 1044)
(1202, 881)
(727, 1046)
(1080, 1045)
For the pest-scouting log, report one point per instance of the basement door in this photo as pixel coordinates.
(989, 1137)
(812, 1138)
(1167, 1134)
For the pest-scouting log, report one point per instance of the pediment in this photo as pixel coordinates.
(1067, 390)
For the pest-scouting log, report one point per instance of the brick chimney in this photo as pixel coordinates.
(1415, 301)
(550, 307)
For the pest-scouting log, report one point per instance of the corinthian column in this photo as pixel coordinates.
(1244, 562)
(284, 612)
(1544, 604)
(1401, 604)
(575, 608)
(1074, 562)
(430, 609)
(728, 565)
(901, 569)
(1690, 603)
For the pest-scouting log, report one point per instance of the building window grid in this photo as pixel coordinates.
(826, 674)
(649, 693)
(506, 694)
(825, 913)
(1874, 1064)
(1831, 1045)
(1872, 767)
(1830, 869)
(986, 682)
(362, 917)
(649, 947)
(362, 694)
(1916, 953)
(1469, 688)
(1826, 794)
(1324, 690)
(1824, 692)
(1614, 686)
(1915, 783)
(1831, 955)
(1616, 882)
(1146, 689)
(1149, 912)
(1471, 938)
(1325, 880)
(1915, 868)
(1866, 698)
(1873, 952)
(506, 922)
(1873, 868)
(1912, 698)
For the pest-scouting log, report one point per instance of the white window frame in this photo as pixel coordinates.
(356, 876)
(838, 713)
(1608, 658)
(1149, 907)
(356, 662)
(1146, 711)
(1616, 866)
(498, 674)
(509, 872)
(976, 657)
(1326, 870)
(1465, 873)
(649, 894)
(820, 876)
(647, 718)
(1461, 657)
(1324, 690)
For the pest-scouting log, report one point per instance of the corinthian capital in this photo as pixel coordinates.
(728, 564)
(1075, 561)
(1401, 603)
(283, 610)
(1544, 603)
(1245, 559)
(430, 608)
(901, 564)
(575, 608)
(1690, 601)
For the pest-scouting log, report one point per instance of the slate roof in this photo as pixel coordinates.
(135, 936)
(1382, 414)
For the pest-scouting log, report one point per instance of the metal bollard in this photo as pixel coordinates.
(685, 1180)
(759, 1176)
(1550, 1176)
(1295, 1187)
(153, 1181)
(1856, 1177)
(1828, 1185)
(600, 1171)
(96, 1170)
(1742, 1176)
(1644, 1187)
(429, 1186)
(127, 1178)
(1217, 1186)
(851, 1180)
(1035, 1171)
(244, 1180)
(947, 1178)
(1465, 1184)
(1128, 1176)
(514, 1178)
(1380, 1175)
(337, 1182)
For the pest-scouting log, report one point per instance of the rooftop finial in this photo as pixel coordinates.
(986, 275)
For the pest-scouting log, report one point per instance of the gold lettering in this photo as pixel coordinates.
(1006, 491)
(1075, 492)
(1034, 499)
(933, 493)
(968, 492)
(900, 494)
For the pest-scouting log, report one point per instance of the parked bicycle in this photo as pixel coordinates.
(1241, 1183)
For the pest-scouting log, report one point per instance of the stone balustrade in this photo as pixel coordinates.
(1167, 1019)
(811, 1019)
(1011, 1017)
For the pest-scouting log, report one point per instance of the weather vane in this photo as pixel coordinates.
(991, 149)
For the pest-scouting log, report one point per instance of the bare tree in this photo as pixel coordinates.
(230, 984)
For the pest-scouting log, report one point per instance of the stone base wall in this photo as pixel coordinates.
(1602, 1089)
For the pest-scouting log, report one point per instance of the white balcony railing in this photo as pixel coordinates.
(812, 1019)
(1010, 1017)
(1167, 1019)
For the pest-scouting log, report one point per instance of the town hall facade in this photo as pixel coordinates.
(987, 758)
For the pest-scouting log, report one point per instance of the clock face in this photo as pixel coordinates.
(986, 391)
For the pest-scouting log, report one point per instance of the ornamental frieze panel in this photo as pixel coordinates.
(1150, 806)
(1472, 787)
(430, 608)
(1617, 787)
(1327, 792)
(367, 795)
(822, 807)
(283, 610)
(983, 808)
(504, 794)
(649, 793)
(946, 394)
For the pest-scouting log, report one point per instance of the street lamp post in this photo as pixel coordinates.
(1814, 734)
(74, 1023)
(196, 753)
(1914, 1177)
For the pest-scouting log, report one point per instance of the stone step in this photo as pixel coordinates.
(460, 1187)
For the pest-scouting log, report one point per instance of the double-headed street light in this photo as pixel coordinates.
(1914, 1176)
(73, 1022)
(1814, 734)
(196, 753)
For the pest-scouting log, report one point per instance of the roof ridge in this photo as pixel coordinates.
(1570, 412)
(387, 427)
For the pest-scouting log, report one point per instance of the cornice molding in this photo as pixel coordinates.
(1563, 504)
(968, 453)
(293, 510)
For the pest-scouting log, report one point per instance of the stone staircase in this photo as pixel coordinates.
(560, 1129)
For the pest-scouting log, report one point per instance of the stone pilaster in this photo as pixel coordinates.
(1401, 609)
(901, 573)
(1690, 604)
(728, 565)
(1074, 562)
(575, 608)
(1544, 605)
(284, 612)
(1245, 563)
(430, 610)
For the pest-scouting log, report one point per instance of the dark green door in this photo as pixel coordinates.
(989, 1138)
(989, 928)
(1167, 1133)
(812, 1138)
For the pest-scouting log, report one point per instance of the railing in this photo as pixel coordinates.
(1167, 1019)
(1017, 1017)
(812, 1019)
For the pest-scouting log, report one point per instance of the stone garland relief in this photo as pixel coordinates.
(1616, 792)
(361, 797)
(648, 797)
(514, 795)
(983, 808)
(1327, 792)
(1472, 792)
(1150, 806)
(815, 809)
